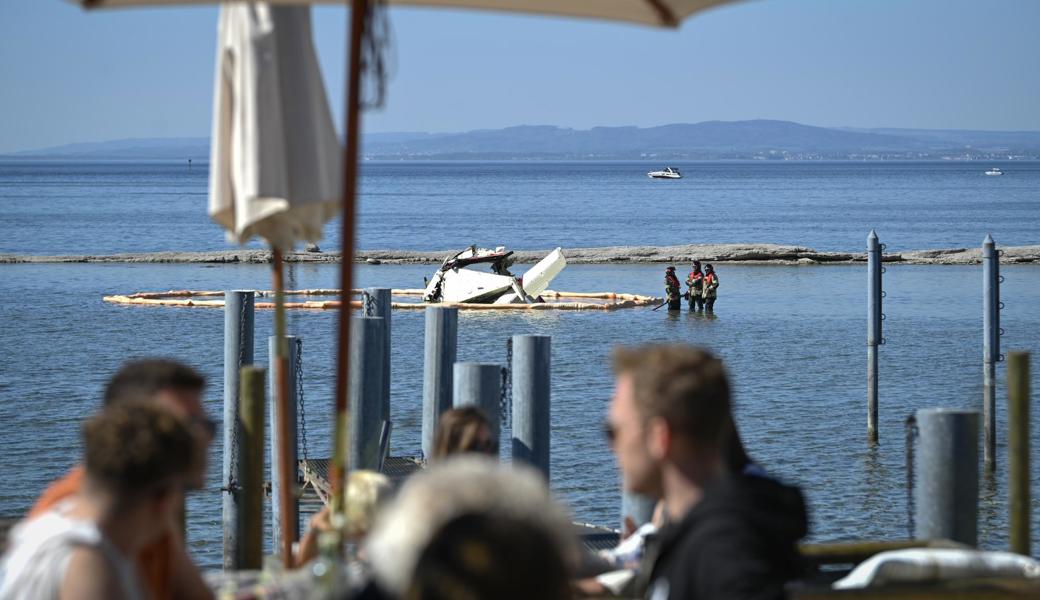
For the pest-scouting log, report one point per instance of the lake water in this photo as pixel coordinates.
(78, 208)
(793, 337)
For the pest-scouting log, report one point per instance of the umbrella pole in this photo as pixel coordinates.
(287, 472)
(358, 10)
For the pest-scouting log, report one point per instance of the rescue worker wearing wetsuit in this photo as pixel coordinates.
(695, 281)
(711, 283)
(672, 289)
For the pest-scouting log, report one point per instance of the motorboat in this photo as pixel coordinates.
(994, 171)
(460, 278)
(668, 173)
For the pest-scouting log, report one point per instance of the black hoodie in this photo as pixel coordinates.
(737, 543)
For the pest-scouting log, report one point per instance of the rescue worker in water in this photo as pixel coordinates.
(695, 281)
(672, 289)
(711, 283)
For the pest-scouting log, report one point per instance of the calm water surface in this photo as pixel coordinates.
(793, 338)
(80, 208)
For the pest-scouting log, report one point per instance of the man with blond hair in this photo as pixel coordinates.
(731, 534)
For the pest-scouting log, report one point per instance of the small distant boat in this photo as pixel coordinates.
(994, 171)
(668, 173)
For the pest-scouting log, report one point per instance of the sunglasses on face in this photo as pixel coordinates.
(609, 432)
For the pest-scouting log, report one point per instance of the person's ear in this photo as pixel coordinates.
(658, 438)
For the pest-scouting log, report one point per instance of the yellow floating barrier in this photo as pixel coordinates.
(200, 299)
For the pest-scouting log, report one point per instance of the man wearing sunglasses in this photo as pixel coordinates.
(731, 533)
(163, 566)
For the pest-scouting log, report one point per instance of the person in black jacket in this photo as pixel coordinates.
(731, 534)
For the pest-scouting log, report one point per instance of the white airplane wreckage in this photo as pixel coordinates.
(473, 279)
(459, 279)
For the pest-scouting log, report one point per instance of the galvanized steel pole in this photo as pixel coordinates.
(366, 391)
(291, 415)
(439, 351)
(990, 348)
(532, 377)
(480, 385)
(947, 491)
(380, 304)
(238, 352)
(874, 336)
(1018, 451)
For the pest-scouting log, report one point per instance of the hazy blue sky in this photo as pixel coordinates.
(69, 76)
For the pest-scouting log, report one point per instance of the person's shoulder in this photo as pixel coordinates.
(90, 574)
(69, 485)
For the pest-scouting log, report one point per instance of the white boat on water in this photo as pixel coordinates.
(668, 173)
(994, 171)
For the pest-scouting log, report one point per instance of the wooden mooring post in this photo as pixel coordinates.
(238, 352)
(251, 470)
(1018, 452)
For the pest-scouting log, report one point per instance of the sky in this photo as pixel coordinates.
(71, 76)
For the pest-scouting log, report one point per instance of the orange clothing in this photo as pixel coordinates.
(153, 562)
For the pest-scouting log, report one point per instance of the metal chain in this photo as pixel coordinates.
(911, 433)
(369, 305)
(298, 368)
(505, 415)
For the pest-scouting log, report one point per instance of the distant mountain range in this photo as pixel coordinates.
(758, 139)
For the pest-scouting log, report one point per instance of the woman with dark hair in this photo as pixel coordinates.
(463, 430)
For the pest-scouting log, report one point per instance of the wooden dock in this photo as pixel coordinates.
(317, 492)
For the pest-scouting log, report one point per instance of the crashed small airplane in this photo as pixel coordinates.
(456, 282)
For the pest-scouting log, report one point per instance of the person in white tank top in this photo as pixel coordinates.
(137, 458)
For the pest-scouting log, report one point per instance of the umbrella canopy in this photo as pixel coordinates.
(664, 13)
(275, 159)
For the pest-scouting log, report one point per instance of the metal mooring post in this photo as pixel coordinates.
(532, 377)
(874, 336)
(439, 352)
(238, 352)
(946, 494)
(366, 391)
(990, 348)
(290, 414)
(380, 304)
(480, 385)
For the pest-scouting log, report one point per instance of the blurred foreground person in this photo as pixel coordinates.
(472, 529)
(164, 565)
(730, 535)
(463, 430)
(367, 492)
(138, 458)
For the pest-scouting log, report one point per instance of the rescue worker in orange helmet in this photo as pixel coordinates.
(672, 289)
(711, 284)
(695, 281)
